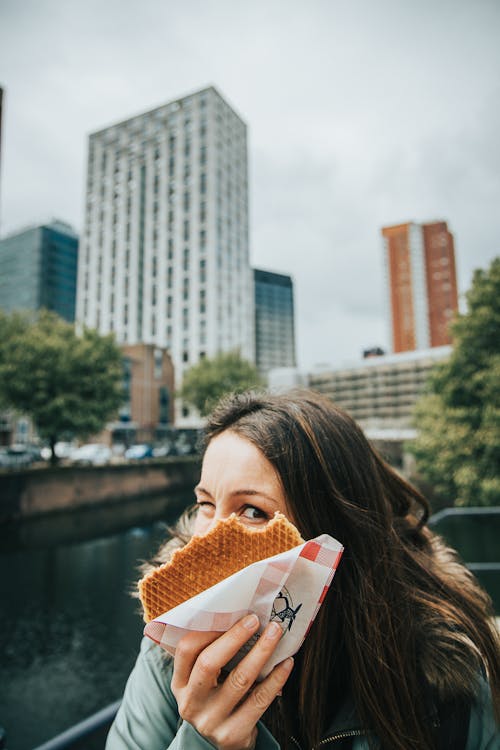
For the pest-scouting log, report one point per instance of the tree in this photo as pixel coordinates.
(69, 384)
(458, 420)
(205, 383)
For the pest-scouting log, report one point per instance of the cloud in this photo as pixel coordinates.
(360, 114)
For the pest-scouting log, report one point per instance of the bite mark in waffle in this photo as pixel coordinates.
(205, 560)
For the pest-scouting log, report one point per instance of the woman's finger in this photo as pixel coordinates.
(215, 656)
(188, 649)
(261, 697)
(241, 679)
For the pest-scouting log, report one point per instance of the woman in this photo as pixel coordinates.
(403, 653)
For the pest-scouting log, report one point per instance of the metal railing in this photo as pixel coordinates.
(84, 730)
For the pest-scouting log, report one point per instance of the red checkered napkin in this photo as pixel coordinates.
(288, 588)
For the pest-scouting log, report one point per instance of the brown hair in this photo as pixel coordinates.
(403, 619)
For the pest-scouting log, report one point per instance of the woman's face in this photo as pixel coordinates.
(237, 478)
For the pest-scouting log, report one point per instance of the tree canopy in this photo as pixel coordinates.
(69, 384)
(458, 446)
(206, 382)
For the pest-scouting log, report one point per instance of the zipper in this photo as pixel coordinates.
(341, 736)
(334, 737)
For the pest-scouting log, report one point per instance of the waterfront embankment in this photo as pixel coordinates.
(36, 492)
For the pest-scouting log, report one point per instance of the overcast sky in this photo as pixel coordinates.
(361, 113)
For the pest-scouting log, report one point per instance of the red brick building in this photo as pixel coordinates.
(422, 287)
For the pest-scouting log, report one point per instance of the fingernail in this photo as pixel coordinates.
(288, 664)
(273, 630)
(250, 622)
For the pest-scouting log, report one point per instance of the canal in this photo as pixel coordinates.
(69, 629)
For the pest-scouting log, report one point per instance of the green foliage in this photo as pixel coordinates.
(68, 384)
(458, 447)
(205, 383)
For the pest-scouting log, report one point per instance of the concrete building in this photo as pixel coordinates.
(274, 321)
(421, 283)
(165, 256)
(38, 269)
(381, 392)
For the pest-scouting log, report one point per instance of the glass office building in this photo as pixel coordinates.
(274, 321)
(38, 269)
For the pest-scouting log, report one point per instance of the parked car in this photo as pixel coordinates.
(91, 454)
(139, 451)
(18, 456)
(63, 450)
(164, 449)
(183, 442)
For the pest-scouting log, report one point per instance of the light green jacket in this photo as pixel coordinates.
(148, 718)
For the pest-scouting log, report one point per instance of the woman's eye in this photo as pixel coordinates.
(205, 507)
(254, 514)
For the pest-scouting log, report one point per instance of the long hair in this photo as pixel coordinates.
(403, 619)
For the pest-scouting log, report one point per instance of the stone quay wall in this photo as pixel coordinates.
(36, 492)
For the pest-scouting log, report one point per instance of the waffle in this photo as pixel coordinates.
(205, 560)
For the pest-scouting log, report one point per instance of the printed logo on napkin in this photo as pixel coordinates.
(289, 588)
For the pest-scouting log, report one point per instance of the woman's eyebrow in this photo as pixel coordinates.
(235, 493)
(253, 493)
(199, 488)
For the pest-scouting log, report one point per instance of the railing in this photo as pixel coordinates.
(79, 735)
(474, 533)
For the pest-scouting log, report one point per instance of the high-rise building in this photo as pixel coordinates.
(165, 256)
(38, 269)
(422, 287)
(1, 122)
(274, 321)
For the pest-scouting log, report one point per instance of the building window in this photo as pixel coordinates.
(158, 359)
(203, 270)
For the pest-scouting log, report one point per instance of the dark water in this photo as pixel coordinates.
(69, 630)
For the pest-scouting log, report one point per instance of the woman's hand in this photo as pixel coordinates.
(226, 712)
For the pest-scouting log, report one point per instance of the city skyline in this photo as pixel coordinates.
(359, 117)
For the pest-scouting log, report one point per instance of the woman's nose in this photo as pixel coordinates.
(203, 524)
(219, 515)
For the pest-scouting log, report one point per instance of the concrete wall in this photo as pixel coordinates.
(47, 490)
